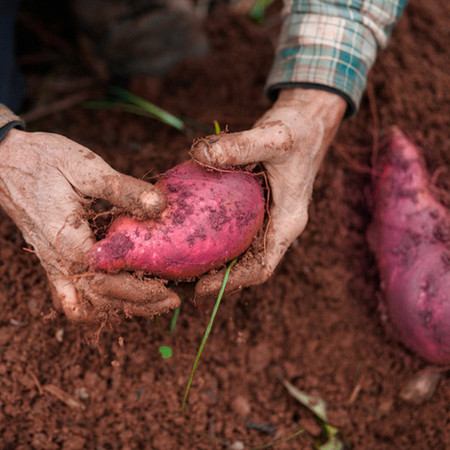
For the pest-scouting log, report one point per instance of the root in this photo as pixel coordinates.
(269, 218)
(77, 276)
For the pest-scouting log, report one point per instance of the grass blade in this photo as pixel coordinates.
(157, 112)
(173, 322)
(205, 336)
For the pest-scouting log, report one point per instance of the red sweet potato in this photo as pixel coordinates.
(210, 219)
(410, 236)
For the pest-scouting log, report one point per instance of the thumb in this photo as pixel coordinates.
(93, 177)
(138, 197)
(246, 147)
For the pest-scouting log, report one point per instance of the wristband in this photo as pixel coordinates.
(8, 120)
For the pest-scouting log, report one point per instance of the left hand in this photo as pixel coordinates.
(45, 180)
(290, 140)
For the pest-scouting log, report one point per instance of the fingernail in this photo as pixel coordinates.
(202, 148)
(206, 153)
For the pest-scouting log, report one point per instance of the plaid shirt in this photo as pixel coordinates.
(332, 44)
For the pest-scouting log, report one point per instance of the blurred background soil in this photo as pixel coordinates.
(316, 322)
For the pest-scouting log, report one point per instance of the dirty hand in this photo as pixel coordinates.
(44, 180)
(290, 140)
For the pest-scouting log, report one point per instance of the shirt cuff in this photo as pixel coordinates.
(319, 50)
(8, 120)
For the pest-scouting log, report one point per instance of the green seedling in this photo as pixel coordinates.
(331, 434)
(217, 129)
(166, 351)
(318, 407)
(173, 322)
(130, 103)
(205, 336)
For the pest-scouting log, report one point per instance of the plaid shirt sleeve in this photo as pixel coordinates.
(332, 44)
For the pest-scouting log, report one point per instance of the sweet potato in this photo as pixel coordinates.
(211, 218)
(410, 237)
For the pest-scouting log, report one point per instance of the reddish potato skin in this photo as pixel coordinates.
(210, 219)
(410, 236)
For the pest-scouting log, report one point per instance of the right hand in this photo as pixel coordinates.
(290, 140)
(44, 180)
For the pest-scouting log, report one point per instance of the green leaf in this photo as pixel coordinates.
(216, 127)
(166, 352)
(312, 402)
(100, 104)
(333, 442)
(150, 108)
(173, 322)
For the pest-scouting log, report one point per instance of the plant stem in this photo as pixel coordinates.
(205, 336)
(174, 319)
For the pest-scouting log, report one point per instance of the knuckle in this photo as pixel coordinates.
(217, 155)
(283, 131)
(287, 136)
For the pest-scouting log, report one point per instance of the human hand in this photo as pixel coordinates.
(44, 181)
(290, 140)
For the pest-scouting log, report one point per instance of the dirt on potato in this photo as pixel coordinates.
(315, 322)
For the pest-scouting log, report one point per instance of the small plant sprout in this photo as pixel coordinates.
(130, 103)
(217, 129)
(329, 439)
(173, 322)
(205, 336)
(166, 351)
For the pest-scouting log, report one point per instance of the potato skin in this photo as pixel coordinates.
(410, 236)
(210, 219)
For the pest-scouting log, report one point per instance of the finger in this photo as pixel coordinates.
(284, 227)
(93, 177)
(129, 288)
(151, 309)
(72, 298)
(242, 275)
(263, 143)
(127, 294)
(67, 298)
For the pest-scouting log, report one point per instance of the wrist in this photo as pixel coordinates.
(11, 139)
(318, 104)
(8, 121)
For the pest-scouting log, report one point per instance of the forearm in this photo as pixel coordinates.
(322, 105)
(332, 47)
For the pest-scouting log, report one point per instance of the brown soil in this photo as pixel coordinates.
(315, 322)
